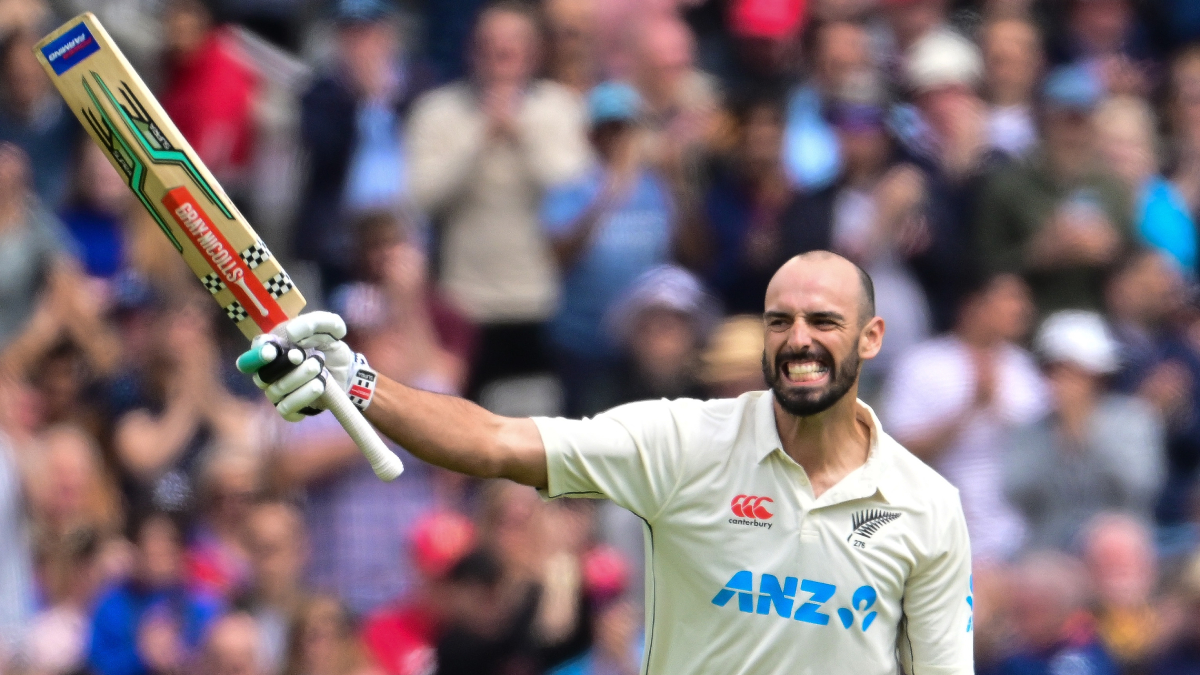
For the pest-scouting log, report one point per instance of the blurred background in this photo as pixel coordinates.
(556, 207)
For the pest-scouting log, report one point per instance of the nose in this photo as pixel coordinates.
(799, 336)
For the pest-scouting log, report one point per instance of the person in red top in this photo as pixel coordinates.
(402, 637)
(209, 90)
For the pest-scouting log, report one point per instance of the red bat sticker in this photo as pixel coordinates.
(224, 260)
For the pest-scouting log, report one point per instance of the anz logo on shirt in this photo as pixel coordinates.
(771, 594)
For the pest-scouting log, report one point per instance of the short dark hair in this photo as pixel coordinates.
(867, 304)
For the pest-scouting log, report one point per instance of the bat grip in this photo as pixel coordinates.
(385, 463)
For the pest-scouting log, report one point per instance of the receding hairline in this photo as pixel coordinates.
(866, 286)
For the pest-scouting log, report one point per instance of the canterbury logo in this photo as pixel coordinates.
(751, 506)
(867, 523)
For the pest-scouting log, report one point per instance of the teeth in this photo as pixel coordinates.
(808, 370)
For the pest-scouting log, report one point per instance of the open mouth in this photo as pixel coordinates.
(804, 372)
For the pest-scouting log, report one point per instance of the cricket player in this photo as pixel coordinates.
(786, 533)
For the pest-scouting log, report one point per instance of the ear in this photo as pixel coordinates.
(870, 339)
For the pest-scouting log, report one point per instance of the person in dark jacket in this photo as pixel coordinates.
(350, 129)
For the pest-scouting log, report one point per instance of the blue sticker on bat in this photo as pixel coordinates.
(70, 48)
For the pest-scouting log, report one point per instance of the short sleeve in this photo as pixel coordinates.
(938, 630)
(630, 454)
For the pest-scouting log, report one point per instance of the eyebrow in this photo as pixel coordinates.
(808, 316)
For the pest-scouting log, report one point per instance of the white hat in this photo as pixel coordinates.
(1078, 337)
(667, 287)
(943, 58)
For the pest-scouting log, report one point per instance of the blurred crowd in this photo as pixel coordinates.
(557, 207)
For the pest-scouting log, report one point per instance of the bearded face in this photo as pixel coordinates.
(811, 380)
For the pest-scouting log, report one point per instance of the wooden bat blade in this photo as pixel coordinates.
(121, 114)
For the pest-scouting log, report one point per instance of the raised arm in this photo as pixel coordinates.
(442, 430)
(455, 434)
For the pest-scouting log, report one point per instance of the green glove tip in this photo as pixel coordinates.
(257, 357)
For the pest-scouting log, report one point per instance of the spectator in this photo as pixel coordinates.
(351, 131)
(217, 559)
(1108, 37)
(151, 622)
(530, 616)
(413, 334)
(356, 522)
(480, 165)
(479, 636)
(810, 146)
(618, 644)
(209, 91)
(766, 40)
(322, 642)
(71, 495)
(574, 59)
(1012, 66)
(949, 145)
(34, 118)
(1049, 596)
(232, 647)
(606, 229)
(173, 411)
(57, 640)
(278, 546)
(32, 250)
(747, 191)
(1119, 554)
(1096, 451)
(732, 363)
(618, 647)
(1058, 220)
(955, 400)
(403, 636)
(872, 214)
(1143, 297)
(1129, 146)
(1183, 115)
(1170, 381)
(96, 213)
(661, 324)
(68, 342)
(680, 101)
(911, 20)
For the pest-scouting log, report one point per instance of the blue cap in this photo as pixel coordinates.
(613, 101)
(1072, 88)
(361, 11)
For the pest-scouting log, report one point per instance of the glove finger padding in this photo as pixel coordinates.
(314, 324)
(303, 397)
(312, 369)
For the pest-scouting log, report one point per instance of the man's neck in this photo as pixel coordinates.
(828, 445)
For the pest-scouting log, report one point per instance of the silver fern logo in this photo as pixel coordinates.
(867, 523)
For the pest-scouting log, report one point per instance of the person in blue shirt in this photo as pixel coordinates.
(606, 229)
(153, 621)
(1128, 141)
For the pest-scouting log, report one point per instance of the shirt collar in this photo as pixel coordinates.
(865, 481)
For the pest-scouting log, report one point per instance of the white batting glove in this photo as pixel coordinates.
(295, 376)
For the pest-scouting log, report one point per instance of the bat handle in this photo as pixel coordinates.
(385, 463)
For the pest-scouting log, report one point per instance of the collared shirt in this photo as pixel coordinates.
(747, 571)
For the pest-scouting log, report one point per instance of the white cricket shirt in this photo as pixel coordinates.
(747, 573)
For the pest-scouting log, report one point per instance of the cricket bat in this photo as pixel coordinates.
(167, 177)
